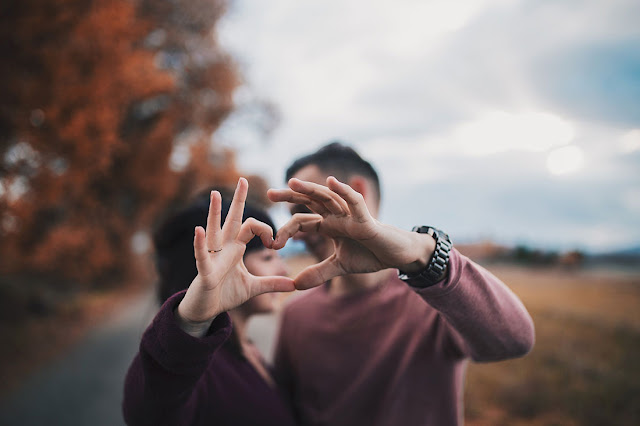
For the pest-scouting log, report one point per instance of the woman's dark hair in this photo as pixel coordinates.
(173, 242)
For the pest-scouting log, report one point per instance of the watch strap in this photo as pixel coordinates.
(436, 269)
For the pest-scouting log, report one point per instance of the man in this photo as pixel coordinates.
(368, 346)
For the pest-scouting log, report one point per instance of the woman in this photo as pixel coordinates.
(192, 369)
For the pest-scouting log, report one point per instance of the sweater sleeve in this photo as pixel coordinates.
(489, 320)
(160, 383)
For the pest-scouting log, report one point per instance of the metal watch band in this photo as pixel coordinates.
(436, 270)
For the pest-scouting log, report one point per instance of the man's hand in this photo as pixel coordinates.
(223, 281)
(361, 243)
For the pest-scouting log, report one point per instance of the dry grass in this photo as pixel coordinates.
(584, 369)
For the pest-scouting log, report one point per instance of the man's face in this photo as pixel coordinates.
(320, 246)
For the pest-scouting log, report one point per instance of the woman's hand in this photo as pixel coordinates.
(223, 281)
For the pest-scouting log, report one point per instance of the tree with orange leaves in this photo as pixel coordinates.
(106, 119)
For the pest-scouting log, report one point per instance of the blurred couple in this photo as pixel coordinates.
(380, 336)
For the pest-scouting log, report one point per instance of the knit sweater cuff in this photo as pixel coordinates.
(455, 267)
(176, 350)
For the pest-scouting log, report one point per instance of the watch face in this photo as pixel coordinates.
(442, 234)
(434, 232)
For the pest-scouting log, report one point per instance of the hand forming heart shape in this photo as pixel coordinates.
(361, 244)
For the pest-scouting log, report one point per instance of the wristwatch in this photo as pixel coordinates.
(436, 269)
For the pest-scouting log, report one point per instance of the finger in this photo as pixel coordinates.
(279, 195)
(233, 222)
(321, 194)
(299, 208)
(354, 199)
(315, 275)
(252, 227)
(203, 261)
(306, 222)
(272, 284)
(288, 195)
(214, 234)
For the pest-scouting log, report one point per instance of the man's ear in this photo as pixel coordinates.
(364, 187)
(361, 185)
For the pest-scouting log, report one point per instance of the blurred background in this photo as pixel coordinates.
(514, 125)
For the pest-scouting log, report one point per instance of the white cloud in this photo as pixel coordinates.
(455, 93)
(499, 131)
(565, 160)
(630, 141)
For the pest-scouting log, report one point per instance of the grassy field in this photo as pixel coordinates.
(584, 369)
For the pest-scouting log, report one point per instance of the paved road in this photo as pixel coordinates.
(85, 387)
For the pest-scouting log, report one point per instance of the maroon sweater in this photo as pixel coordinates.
(177, 379)
(394, 356)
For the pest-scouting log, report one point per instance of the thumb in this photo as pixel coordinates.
(273, 284)
(317, 274)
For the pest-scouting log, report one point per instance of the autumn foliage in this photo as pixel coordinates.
(106, 117)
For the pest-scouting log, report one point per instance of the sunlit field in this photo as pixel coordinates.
(584, 369)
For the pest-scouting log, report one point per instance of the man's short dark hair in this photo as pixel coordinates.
(339, 160)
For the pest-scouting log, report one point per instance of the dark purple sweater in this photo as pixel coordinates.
(177, 379)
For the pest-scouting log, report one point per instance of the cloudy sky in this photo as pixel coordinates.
(514, 120)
